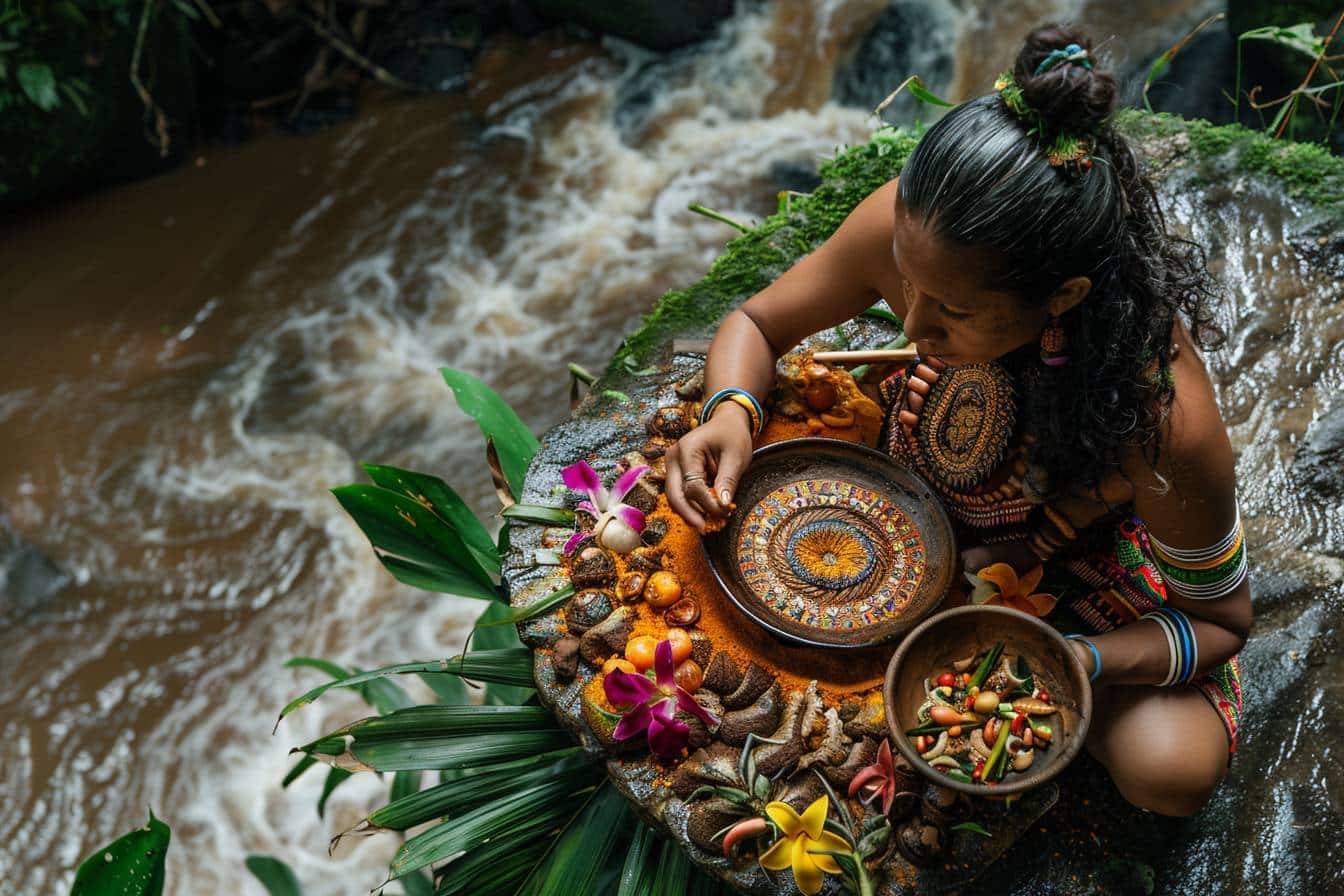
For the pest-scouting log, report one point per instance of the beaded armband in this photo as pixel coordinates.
(1204, 573)
(741, 397)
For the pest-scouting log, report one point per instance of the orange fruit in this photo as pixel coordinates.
(639, 651)
(662, 590)
(681, 644)
(617, 663)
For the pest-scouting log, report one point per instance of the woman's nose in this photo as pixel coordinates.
(919, 319)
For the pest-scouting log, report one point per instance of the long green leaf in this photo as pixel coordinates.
(277, 877)
(497, 867)
(512, 666)
(455, 752)
(635, 870)
(477, 786)
(532, 610)
(399, 525)
(131, 865)
(335, 777)
(445, 503)
(404, 784)
(547, 801)
(485, 637)
(514, 442)
(580, 853)
(417, 885)
(304, 763)
(436, 579)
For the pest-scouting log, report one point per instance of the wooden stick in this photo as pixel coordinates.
(876, 356)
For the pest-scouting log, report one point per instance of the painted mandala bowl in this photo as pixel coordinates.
(833, 544)
(966, 631)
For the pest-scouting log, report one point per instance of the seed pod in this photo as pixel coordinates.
(631, 586)
(1032, 707)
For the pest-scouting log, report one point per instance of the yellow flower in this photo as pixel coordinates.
(803, 836)
(1012, 591)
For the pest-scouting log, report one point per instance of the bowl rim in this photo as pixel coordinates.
(907, 750)
(761, 619)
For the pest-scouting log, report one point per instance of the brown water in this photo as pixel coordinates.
(190, 363)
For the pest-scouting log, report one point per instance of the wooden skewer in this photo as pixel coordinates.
(875, 356)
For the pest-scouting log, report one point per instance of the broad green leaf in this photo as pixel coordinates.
(131, 865)
(431, 579)
(335, 777)
(479, 785)
(496, 868)
(578, 855)
(404, 784)
(402, 526)
(445, 503)
(449, 689)
(441, 752)
(514, 442)
(525, 810)
(512, 666)
(277, 877)
(535, 513)
(924, 95)
(39, 85)
(1301, 37)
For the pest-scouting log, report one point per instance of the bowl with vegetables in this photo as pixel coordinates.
(987, 700)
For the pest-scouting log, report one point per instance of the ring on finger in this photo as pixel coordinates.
(692, 477)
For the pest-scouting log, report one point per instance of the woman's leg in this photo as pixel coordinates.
(1166, 748)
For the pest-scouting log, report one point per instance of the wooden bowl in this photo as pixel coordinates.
(964, 631)
(833, 544)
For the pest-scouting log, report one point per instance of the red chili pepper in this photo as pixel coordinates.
(978, 771)
(947, 679)
(1019, 722)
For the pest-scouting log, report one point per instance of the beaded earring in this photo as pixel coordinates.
(1053, 343)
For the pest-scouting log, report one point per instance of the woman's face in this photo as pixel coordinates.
(948, 311)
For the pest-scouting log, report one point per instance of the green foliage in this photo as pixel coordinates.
(277, 877)
(131, 865)
(753, 260)
(514, 442)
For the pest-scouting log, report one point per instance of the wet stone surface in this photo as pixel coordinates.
(1278, 818)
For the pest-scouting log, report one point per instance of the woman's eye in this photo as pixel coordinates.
(950, 313)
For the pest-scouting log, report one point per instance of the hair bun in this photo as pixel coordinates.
(1069, 96)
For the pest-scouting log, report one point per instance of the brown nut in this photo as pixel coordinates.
(663, 590)
(684, 612)
(631, 586)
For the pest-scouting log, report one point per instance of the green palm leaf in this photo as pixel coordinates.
(579, 855)
(477, 786)
(431, 578)
(514, 442)
(445, 503)
(439, 737)
(519, 817)
(487, 637)
(511, 666)
(335, 778)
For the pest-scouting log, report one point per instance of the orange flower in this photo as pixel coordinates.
(1012, 591)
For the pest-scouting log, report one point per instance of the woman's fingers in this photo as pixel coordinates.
(675, 487)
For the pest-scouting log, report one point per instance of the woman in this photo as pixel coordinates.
(1026, 253)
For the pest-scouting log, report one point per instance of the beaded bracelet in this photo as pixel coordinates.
(1096, 655)
(1204, 573)
(740, 397)
(1181, 643)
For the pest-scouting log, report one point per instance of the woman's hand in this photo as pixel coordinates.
(704, 466)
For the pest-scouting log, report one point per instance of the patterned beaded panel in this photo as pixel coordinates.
(833, 544)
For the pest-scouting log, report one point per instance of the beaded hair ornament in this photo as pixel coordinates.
(1061, 149)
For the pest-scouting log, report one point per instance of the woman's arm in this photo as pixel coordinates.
(1193, 510)
(827, 287)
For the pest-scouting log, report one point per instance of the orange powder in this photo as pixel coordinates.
(841, 674)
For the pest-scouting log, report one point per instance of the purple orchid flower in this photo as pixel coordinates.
(654, 706)
(618, 525)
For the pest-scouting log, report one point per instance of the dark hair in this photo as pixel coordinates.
(979, 178)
